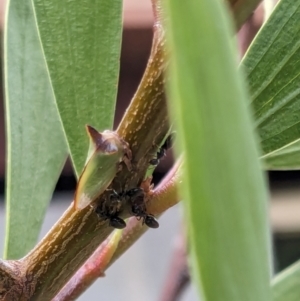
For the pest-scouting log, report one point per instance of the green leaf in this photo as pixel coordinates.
(224, 188)
(285, 158)
(272, 66)
(81, 42)
(36, 149)
(285, 285)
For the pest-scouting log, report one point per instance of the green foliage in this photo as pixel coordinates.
(81, 43)
(285, 158)
(272, 68)
(224, 191)
(83, 61)
(61, 73)
(285, 286)
(36, 149)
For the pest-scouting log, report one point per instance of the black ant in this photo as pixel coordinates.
(138, 208)
(163, 149)
(111, 209)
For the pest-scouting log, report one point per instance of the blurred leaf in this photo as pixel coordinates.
(287, 157)
(272, 66)
(81, 42)
(224, 188)
(285, 285)
(36, 149)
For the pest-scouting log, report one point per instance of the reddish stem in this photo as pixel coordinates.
(178, 276)
(164, 196)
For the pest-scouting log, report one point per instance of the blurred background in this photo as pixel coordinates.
(142, 272)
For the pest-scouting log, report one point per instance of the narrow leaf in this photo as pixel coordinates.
(36, 149)
(285, 158)
(285, 285)
(81, 42)
(224, 189)
(272, 66)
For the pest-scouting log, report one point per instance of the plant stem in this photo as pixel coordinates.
(77, 234)
(242, 10)
(45, 270)
(164, 196)
(145, 123)
(178, 276)
(92, 269)
(10, 284)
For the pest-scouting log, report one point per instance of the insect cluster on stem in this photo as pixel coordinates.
(135, 197)
(107, 150)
